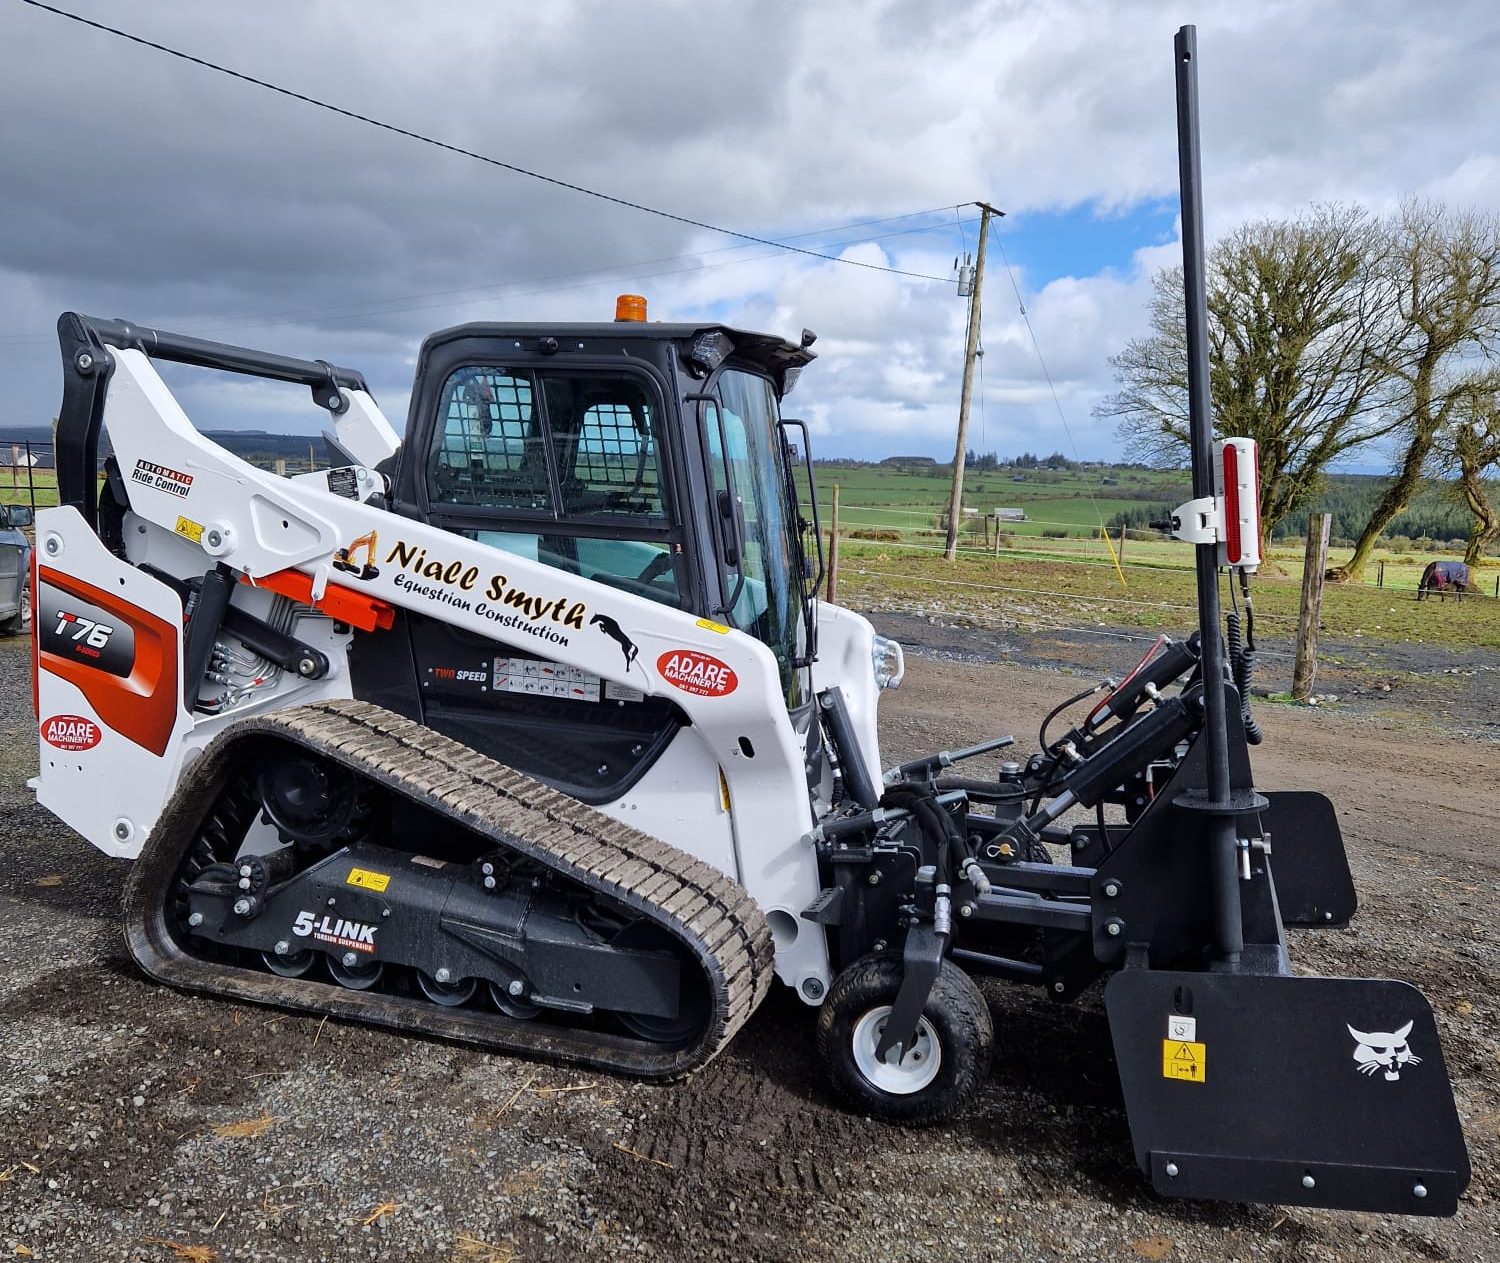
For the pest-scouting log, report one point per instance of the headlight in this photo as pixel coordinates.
(889, 662)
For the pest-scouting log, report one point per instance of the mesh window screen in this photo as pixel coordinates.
(604, 434)
(488, 449)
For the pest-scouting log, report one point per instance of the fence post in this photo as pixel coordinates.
(997, 537)
(31, 477)
(1380, 576)
(1121, 557)
(1314, 563)
(833, 551)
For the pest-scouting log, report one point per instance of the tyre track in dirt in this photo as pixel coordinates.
(748, 1159)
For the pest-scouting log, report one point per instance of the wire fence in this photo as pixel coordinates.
(32, 476)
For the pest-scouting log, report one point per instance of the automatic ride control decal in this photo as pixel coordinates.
(161, 477)
(698, 673)
(71, 732)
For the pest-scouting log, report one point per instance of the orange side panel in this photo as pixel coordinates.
(368, 613)
(141, 706)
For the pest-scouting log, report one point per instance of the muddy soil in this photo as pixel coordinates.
(134, 1119)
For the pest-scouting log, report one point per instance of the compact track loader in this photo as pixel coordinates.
(527, 729)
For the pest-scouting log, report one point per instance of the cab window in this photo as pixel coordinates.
(488, 448)
(746, 462)
(552, 450)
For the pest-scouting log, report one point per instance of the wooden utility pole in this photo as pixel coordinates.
(956, 498)
(1314, 563)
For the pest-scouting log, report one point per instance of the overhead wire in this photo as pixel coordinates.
(522, 286)
(460, 150)
(1046, 372)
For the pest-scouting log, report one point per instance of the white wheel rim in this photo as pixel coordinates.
(917, 1068)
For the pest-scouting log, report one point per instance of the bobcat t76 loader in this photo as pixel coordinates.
(527, 729)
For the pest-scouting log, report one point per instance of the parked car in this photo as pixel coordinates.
(15, 568)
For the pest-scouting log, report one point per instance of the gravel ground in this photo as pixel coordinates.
(137, 1123)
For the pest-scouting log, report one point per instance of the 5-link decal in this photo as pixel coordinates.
(336, 931)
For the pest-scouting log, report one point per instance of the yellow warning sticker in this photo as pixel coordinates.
(370, 881)
(190, 529)
(709, 625)
(1184, 1059)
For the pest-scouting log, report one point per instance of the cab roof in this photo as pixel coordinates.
(772, 353)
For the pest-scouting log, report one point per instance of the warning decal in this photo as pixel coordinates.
(368, 879)
(1184, 1059)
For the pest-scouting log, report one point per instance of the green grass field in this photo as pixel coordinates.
(1074, 580)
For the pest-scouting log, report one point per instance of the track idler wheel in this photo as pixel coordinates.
(360, 976)
(450, 993)
(308, 799)
(289, 964)
(937, 1075)
(692, 1003)
(514, 1003)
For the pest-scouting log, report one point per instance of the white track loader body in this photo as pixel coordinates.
(194, 503)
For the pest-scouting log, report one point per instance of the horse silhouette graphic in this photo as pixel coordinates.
(617, 634)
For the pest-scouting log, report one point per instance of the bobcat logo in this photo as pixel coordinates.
(1383, 1050)
(616, 633)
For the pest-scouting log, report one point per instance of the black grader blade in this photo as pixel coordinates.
(1292, 1090)
(1313, 886)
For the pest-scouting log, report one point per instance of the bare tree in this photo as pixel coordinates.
(1473, 450)
(1300, 331)
(1444, 272)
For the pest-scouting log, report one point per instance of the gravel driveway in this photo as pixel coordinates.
(137, 1123)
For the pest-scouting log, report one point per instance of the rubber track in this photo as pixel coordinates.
(714, 918)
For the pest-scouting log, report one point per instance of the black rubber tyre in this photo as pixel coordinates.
(956, 1020)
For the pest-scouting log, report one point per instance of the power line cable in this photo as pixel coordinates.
(421, 137)
(1046, 372)
(591, 276)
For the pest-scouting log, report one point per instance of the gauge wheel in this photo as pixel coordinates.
(941, 1070)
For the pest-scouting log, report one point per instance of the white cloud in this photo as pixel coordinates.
(140, 186)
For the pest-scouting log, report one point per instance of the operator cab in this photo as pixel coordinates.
(651, 458)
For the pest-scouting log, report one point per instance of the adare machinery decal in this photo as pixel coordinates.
(698, 673)
(466, 588)
(71, 732)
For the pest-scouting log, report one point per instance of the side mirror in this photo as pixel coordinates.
(20, 514)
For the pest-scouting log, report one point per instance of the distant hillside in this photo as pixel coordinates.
(259, 447)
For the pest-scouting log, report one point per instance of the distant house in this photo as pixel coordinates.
(1010, 515)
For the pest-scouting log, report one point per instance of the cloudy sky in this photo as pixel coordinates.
(136, 185)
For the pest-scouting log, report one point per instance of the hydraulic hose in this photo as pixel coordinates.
(1242, 669)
